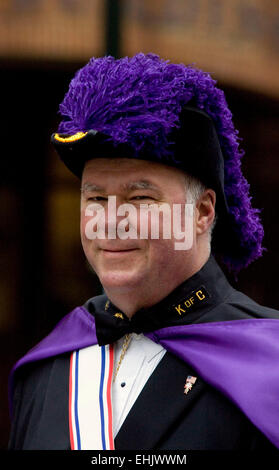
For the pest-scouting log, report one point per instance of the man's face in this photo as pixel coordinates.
(149, 263)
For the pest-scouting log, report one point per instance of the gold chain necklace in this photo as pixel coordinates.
(126, 343)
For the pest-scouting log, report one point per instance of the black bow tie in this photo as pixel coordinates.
(112, 325)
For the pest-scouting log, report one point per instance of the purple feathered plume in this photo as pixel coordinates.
(137, 101)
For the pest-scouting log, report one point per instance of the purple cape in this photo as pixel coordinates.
(239, 358)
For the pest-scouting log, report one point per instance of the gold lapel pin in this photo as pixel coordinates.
(190, 381)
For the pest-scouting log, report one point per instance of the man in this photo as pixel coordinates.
(171, 356)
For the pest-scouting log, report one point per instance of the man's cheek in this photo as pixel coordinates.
(92, 223)
(83, 222)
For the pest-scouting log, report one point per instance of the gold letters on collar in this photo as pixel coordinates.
(196, 297)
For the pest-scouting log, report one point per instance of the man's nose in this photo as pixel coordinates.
(120, 217)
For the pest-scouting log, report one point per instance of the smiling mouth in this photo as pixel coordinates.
(118, 252)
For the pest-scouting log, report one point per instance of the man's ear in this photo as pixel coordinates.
(205, 211)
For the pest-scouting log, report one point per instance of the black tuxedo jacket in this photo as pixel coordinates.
(163, 417)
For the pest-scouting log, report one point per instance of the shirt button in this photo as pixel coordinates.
(123, 384)
(136, 336)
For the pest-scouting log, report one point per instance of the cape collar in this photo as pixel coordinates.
(184, 305)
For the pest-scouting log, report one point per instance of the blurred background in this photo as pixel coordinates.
(43, 272)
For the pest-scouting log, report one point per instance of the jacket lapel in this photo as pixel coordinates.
(160, 404)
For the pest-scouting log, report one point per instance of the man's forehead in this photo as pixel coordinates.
(129, 185)
(117, 163)
(120, 174)
(128, 168)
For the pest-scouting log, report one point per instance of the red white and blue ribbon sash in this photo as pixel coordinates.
(90, 407)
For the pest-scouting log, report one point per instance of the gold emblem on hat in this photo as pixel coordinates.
(190, 381)
(70, 138)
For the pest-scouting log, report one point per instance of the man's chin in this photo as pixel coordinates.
(120, 281)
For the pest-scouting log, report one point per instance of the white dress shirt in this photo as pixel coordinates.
(141, 358)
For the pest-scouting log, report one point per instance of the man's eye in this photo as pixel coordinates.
(139, 198)
(96, 198)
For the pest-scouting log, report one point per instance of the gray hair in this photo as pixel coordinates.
(194, 189)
